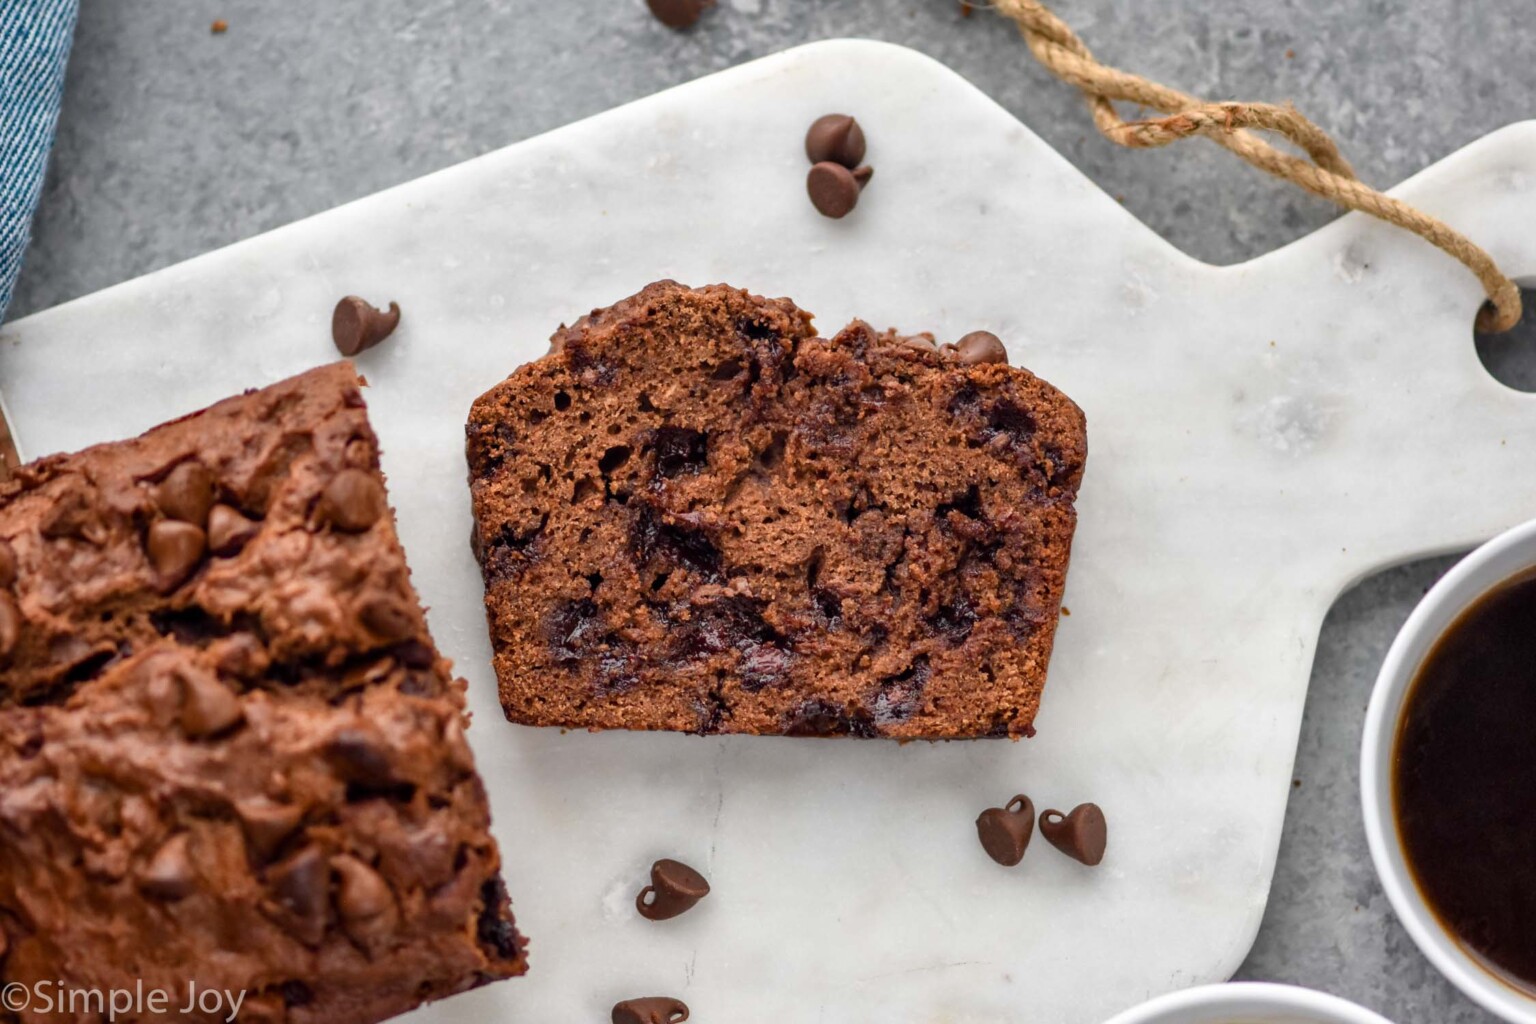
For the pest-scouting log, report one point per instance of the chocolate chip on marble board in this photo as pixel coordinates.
(834, 189)
(208, 707)
(836, 138)
(678, 14)
(650, 1010)
(675, 888)
(357, 326)
(7, 564)
(175, 549)
(229, 530)
(1005, 831)
(353, 501)
(10, 624)
(169, 874)
(186, 493)
(1081, 834)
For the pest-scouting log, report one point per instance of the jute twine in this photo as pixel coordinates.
(1324, 172)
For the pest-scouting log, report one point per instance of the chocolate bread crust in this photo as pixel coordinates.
(697, 515)
(229, 750)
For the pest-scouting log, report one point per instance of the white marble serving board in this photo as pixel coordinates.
(1260, 436)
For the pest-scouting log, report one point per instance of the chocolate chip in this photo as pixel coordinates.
(267, 824)
(301, 885)
(675, 887)
(361, 894)
(175, 549)
(835, 137)
(10, 624)
(981, 347)
(7, 564)
(241, 656)
(357, 326)
(1005, 831)
(921, 342)
(186, 493)
(169, 876)
(353, 501)
(359, 754)
(208, 707)
(678, 13)
(229, 530)
(1081, 835)
(834, 189)
(650, 1010)
(296, 993)
(387, 618)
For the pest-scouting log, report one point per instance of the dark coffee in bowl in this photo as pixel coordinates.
(1464, 780)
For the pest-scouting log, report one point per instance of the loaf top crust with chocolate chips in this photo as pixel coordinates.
(695, 514)
(229, 751)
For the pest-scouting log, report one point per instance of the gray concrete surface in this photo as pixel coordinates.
(175, 140)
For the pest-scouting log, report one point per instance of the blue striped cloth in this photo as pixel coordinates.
(34, 44)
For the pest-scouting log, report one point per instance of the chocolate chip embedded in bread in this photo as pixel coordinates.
(175, 549)
(10, 624)
(387, 618)
(835, 137)
(675, 888)
(357, 326)
(361, 895)
(186, 493)
(7, 564)
(650, 1010)
(1081, 834)
(169, 875)
(229, 530)
(1005, 831)
(208, 707)
(833, 188)
(980, 347)
(301, 886)
(678, 14)
(359, 754)
(267, 824)
(352, 502)
(240, 656)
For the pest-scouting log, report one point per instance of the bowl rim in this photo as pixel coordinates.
(1501, 559)
(1250, 997)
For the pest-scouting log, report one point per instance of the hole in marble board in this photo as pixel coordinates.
(1511, 357)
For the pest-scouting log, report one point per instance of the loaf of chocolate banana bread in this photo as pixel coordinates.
(230, 755)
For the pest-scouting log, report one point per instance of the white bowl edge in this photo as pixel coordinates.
(1248, 1002)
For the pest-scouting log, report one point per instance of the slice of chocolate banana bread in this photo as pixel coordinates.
(230, 754)
(695, 514)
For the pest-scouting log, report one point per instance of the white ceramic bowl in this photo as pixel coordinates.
(1506, 556)
(1248, 1003)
